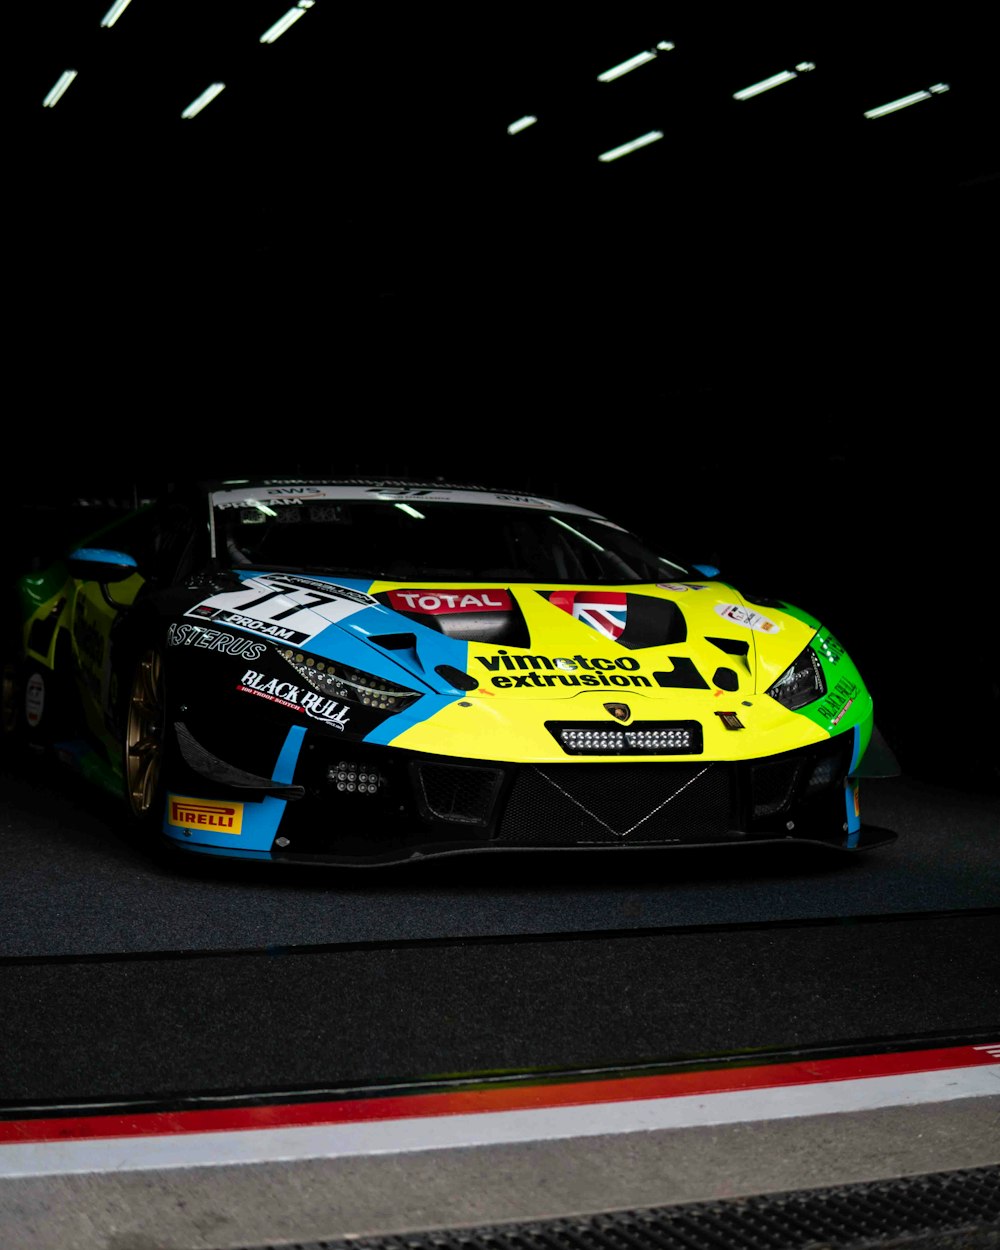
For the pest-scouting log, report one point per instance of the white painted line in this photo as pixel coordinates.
(326, 1141)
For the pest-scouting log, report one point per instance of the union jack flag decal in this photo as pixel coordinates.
(603, 610)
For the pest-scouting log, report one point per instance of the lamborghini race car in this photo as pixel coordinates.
(369, 672)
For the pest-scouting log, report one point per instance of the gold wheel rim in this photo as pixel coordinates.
(144, 733)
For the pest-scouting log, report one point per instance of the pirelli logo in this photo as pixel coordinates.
(205, 814)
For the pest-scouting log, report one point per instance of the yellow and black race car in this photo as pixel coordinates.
(364, 672)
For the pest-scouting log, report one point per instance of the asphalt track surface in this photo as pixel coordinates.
(73, 884)
(131, 980)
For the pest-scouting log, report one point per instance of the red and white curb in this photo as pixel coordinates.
(494, 1115)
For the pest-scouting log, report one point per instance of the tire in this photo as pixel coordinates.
(10, 707)
(12, 673)
(143, 739)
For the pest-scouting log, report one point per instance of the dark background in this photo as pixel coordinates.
(769, 338)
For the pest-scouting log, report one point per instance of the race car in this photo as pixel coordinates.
(364, 672)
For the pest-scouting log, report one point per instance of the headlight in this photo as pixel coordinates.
(801, 682)
(352, 685)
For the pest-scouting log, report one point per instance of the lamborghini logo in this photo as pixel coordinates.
(620, 711)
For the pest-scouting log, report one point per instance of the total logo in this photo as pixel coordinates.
(434, 602)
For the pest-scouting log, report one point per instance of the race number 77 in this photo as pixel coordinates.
(308, 599)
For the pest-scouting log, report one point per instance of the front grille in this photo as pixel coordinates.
(377, 799)
(778, 783)
(456, 792)
(588, 804)
(773, 786)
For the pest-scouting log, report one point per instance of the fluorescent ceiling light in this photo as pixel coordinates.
(906, 100)
(115, 12)
(641, 58)
(614, 153)
(405, 507)
(633, 62)
(775, 80)
(522, 123)
(283, 23)
(56, 94)
(206, 97)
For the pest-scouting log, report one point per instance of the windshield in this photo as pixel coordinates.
(398, 540)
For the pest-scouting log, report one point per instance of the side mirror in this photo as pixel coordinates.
(706, 570)
(98, 564)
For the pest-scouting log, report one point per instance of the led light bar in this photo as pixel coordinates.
(652, 738)
(522, 123)
(641, 58)
(206, 97)
(115, 12)
(905, 101)
(613, 155)
(283, 23)
(58, 90)
(775, 80)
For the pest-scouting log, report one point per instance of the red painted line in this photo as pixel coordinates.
(477, 1101)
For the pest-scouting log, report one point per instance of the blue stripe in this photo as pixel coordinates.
(260, 820)
(857, 748)
(288, 756)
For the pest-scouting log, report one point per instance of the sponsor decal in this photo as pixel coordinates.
(535, 670)
(34, 699)
(205, 814)
(214, 640)
(743, 616)
(292, 492)
(529, 501)
(434, 602)
(842, 711)
(678, 586)
(604, 611)
(838, 700)
(406, 492)
(620, 711)
(330, 712)
(730, 720)
(831, 648)
(280, 605)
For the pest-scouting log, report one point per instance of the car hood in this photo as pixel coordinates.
(543, 641)
(499, 664)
